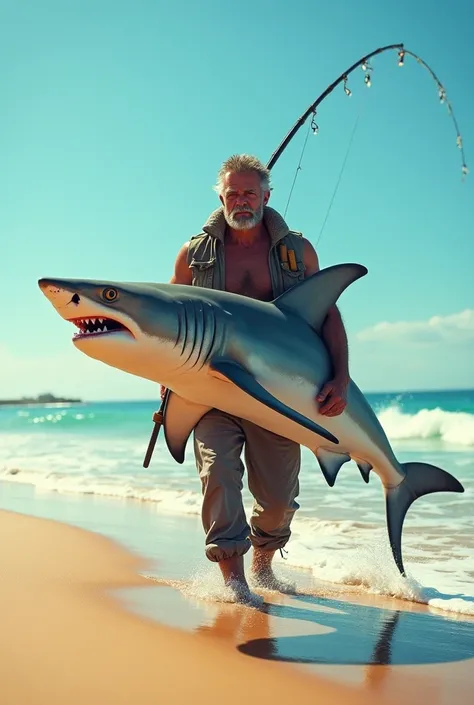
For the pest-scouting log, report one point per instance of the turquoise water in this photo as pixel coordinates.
(339, 533)
(130, 414)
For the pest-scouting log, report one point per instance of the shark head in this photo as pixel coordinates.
(115, 321)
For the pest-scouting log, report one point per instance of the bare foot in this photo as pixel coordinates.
(267, 580)
(232, 570)
(262, 574)
(241, 593)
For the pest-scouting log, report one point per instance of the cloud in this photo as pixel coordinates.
(453, 329)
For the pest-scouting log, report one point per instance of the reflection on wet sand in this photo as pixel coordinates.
(342, 633)
(363, 635)
(380, 644)
(312, 630)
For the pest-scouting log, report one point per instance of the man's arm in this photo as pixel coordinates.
(182, 273)
(332, 396)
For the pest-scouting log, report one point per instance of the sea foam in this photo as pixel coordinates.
(453, 427)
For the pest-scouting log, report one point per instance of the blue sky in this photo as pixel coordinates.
(117, 115)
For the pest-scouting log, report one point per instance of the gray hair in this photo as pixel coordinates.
(240, 163)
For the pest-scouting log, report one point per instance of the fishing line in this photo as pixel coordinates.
(339, 179)
(298, 169)
(367, 68)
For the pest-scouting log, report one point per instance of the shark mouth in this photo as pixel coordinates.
(93, 327)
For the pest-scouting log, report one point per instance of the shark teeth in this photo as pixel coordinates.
(96, 326)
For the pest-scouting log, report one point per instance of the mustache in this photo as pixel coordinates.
(243, 209)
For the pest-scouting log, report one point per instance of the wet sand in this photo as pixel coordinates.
(82, 624)
(65, 638)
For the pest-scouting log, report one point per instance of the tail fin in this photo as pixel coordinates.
(421, 479)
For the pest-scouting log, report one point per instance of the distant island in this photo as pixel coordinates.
(40, 399)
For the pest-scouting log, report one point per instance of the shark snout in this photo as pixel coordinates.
(48, 287)
(56, 294)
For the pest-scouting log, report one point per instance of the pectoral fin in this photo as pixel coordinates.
(180, 417)
(245, 381)
(330, 463)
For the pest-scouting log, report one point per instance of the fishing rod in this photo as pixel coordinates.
(364, 63)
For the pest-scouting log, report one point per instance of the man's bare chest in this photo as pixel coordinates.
(247, 272)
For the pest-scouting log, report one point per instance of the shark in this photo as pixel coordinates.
(264, 361)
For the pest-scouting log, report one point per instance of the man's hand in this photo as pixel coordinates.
(162, 392)
(333, 397)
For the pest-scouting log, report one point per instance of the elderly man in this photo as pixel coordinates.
(247, 248)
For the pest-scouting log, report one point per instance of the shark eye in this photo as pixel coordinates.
(110, 294)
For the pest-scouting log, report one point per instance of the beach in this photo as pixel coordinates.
(106, 595)
(65, 639)
(68, 637)
(88, 621)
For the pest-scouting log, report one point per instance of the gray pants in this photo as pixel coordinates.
(273, 465)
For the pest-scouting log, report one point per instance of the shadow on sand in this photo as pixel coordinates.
(362, 635)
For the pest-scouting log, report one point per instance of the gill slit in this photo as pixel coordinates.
(200, 307)
(212, 321)
(189, 333)
(198, 334)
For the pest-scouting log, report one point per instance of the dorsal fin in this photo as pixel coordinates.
(313, 297)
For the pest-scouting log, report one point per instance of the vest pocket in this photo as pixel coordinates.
(296, 274)
(201, 265)
(202, 271)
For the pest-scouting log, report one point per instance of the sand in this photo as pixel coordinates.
(67, 636)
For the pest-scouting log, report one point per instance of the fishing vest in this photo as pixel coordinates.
(206, 253)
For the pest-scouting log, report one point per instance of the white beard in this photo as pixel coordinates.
(244, 222)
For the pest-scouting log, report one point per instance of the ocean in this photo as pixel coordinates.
(96, 449)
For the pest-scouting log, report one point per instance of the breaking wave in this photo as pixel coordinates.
(453, 427)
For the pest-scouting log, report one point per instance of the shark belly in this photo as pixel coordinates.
(208, 390)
